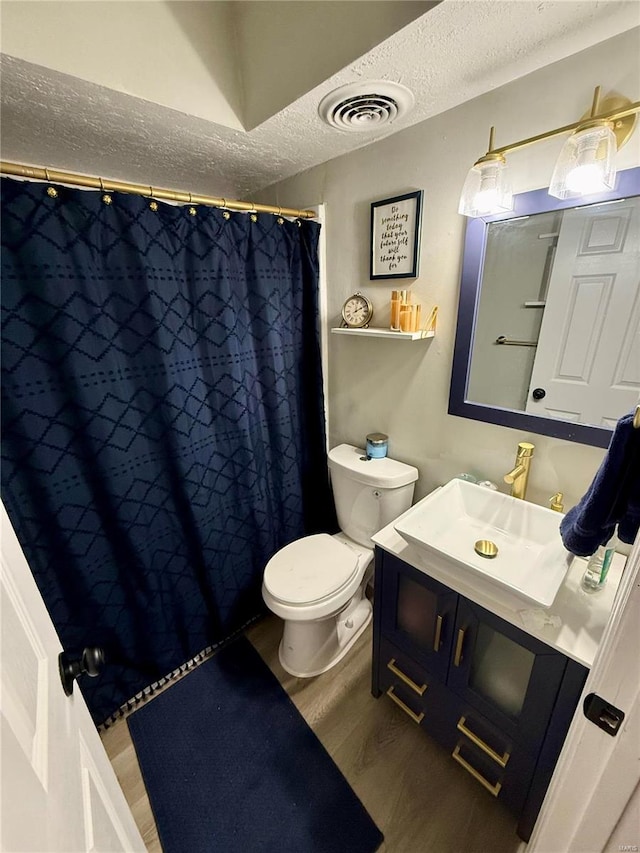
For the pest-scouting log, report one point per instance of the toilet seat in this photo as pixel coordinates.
(310, 570)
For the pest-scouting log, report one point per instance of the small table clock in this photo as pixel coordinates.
(357, 312)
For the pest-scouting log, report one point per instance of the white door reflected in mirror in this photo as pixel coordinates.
(588, 355)
(564, 289)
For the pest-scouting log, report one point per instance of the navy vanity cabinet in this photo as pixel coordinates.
(418, 614)
(509, 676)
(497, 699)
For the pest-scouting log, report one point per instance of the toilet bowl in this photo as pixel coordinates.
(317, 584)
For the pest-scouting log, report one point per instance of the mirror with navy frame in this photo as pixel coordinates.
(526, 311)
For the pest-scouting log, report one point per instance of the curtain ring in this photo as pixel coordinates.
(106, 198)
(150, 192)
(190, 199)
(52, 192)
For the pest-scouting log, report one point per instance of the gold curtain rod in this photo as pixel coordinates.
(56, 176)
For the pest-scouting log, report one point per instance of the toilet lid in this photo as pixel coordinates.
(310, 569)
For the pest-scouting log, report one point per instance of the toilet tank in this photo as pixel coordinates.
(369, 493)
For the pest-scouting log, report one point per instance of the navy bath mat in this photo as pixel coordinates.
(230, 766)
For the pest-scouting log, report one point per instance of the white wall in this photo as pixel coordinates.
(181, 55)
(286, 50)
(233, 63)
(402, 388)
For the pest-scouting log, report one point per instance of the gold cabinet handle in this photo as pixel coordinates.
(417, 718)
(494, 790)
(419, 688)
(499, 759)
(436, 640)
(459, 643)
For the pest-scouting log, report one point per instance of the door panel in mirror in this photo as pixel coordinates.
(495, 383)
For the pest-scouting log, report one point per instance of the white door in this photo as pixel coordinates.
(592, 800)
(589, 371)
(59, 791)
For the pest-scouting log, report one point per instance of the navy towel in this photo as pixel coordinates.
(613, 497)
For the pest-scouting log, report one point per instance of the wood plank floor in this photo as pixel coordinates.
(419, 798)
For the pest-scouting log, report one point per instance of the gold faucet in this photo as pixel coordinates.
(519, 477)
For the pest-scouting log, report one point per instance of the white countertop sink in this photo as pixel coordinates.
(531, 560)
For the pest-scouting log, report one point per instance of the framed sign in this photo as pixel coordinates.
(395, 236)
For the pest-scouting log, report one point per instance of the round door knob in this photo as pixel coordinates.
(90, 663)
(539, 393)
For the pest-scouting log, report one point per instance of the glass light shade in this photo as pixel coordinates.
(586, 164)
(486, 190)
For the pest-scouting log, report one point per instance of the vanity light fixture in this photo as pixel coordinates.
(487, 188)
(586, 164)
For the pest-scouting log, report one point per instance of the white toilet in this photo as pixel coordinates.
(317, 583)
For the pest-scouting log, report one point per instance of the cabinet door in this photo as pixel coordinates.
(509, 676)
(418, 614)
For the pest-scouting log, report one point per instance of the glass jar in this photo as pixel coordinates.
(377, 443)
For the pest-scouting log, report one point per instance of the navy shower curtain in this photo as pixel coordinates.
(162, 418)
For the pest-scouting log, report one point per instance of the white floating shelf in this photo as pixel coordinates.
(384, 333)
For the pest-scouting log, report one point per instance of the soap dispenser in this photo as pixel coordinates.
(556, 502)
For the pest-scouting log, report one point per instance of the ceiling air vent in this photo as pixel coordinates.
(365, 105)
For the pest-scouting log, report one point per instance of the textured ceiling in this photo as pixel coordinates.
(456, 51)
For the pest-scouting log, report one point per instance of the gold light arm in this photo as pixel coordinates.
(619, 112)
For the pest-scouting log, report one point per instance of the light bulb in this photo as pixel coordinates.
(586, 164)
(586, 179)
(486, 189)
(486, 200)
